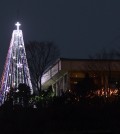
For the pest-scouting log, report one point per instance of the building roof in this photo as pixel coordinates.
(82, 60)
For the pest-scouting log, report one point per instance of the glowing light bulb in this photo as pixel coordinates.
(20, 46)
(14, 57)
(19, 65)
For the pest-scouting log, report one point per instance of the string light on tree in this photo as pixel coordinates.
(15, 71)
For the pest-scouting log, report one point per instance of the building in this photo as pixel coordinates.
(64, 74)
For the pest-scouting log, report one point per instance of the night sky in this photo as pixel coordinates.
(78, 27)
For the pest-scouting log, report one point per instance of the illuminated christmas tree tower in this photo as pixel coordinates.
(16, 69)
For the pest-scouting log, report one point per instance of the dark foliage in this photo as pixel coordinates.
(19, 96)
(82, 118)
(85, 86)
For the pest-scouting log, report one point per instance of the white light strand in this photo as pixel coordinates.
(15, 70)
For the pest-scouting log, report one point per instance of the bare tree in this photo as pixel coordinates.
(40, 56)
(106, 55)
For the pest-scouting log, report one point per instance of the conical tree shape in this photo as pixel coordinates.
(16, 69)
